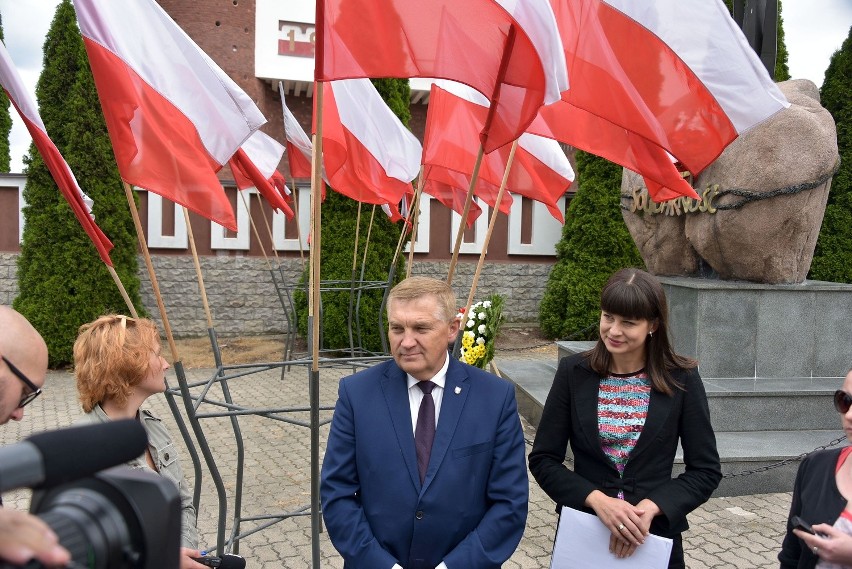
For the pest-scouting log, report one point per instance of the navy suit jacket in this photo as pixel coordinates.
(471, 509)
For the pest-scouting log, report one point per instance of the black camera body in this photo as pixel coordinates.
(121, 518)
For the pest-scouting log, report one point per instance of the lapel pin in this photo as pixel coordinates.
(458, 390)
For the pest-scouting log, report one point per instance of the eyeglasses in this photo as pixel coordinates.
(34, 391)
(842, 401)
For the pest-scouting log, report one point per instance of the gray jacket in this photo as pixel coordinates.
(164, 452)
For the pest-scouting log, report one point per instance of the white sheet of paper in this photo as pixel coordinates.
(582, 542)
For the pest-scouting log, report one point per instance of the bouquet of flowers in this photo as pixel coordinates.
(479, 331)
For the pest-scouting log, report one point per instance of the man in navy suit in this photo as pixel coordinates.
(410, 483)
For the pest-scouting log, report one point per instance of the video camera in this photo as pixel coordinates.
(121, 518)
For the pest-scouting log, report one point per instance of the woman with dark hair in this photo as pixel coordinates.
(118, 366)
(623, 406)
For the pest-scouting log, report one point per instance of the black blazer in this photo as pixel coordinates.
(817, 500)
(571, 415)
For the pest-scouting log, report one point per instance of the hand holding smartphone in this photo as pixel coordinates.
(801, 524)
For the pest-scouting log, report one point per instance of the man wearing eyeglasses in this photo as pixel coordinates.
(23, 364)
(23, 367)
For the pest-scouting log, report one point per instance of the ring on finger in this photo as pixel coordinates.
(621, 527)
(816, 549)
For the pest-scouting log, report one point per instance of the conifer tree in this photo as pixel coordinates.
(339, 223)
(62, 281)
(595, 243)
(5, 123)
(833, 256)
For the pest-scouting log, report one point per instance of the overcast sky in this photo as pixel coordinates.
(814, 29)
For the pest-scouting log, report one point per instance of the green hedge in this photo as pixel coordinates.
(833, 255)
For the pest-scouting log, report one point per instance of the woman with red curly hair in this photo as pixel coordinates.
(117, 365)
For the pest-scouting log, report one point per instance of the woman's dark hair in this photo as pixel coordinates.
(636, 294)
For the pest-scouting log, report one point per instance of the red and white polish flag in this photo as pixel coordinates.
(450, 188)
(368, 155)
(173, 116)
(299, 147)
(540, 171)
(80, 203)
(255, 164)
(656, 80)
(512, 50)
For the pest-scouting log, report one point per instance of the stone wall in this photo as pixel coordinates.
(8, 277)
(243, 298)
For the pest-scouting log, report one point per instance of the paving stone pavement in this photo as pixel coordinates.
(742, 532)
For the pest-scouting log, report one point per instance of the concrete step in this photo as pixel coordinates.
(760, 462)
(763, 428)
(790, 404)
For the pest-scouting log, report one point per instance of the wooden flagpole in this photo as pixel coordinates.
(123, 291)
(491, 225)
(413, 218)
(296, 219)
(198, 273)
(495, 97)
(255, 231)
(369, 234)
(314, 315)
(167, 328)
(467, 201)
(404, 232)
(262, 203)
(357, 238)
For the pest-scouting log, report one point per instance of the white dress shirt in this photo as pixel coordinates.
(415, 394)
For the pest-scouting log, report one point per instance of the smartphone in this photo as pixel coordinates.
(801, 524)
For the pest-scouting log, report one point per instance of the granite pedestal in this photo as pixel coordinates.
(748, 330)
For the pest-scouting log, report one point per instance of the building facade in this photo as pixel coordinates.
(266, 46)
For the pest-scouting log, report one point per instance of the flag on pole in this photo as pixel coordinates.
(705, 87)
(450, 188)
(173, 116)
(80, 203)
(368, 155)
(298, 144)
(508, 50)
(255, 165)
(540, 170)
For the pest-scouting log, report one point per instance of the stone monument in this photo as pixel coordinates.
(735, 263)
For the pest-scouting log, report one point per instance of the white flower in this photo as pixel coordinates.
(470, 323)
(482, 316)
(481, 329)
(487, 304)
(468, 333)
(480, 340)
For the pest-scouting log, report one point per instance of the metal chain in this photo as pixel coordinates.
(785, 461)
(749, 196)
